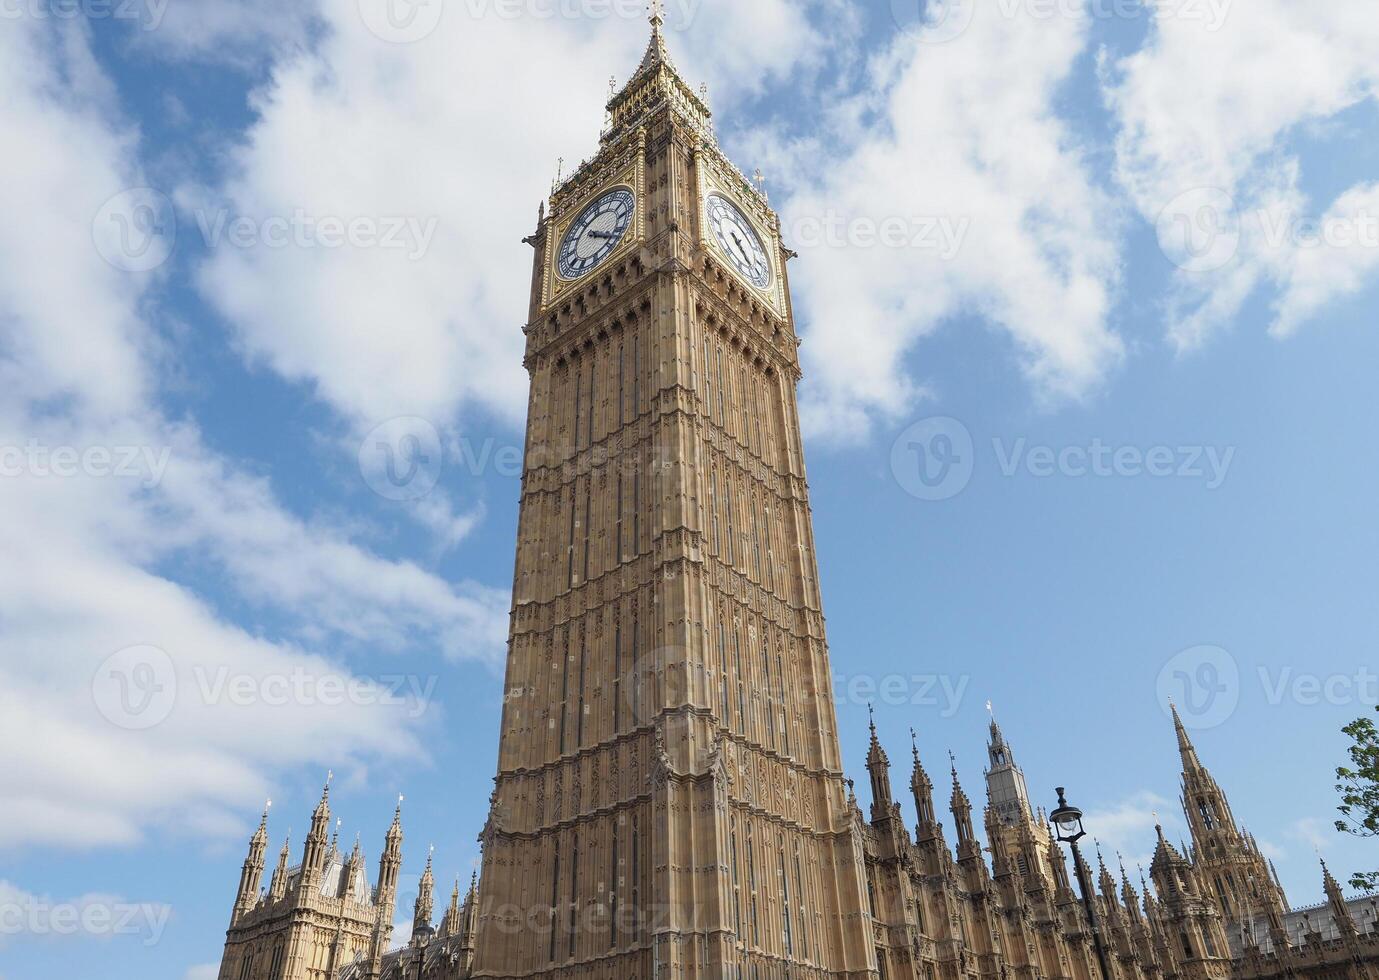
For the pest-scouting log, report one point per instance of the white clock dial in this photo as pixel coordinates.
(739, 240)
(594, 235)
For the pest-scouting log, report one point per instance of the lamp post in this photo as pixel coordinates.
(1067, 820)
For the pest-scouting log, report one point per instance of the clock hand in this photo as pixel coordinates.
(741, 248)
(603, 234)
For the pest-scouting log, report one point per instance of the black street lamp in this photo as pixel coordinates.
(1067, 820)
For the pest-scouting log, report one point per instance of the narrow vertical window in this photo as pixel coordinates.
(708, 382)
(713, 509)
(728, 481)
(617, 688)
(579, 715)
(570, 546)
(785, 903)
(618, 544)
(579, 401)
(593, 393)
(613, 892)
(737, 885)
(574, 892)
(588, 529)
(799, 893)
(555, 899)
(723, 663)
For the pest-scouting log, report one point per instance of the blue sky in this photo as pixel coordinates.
(1125, 314)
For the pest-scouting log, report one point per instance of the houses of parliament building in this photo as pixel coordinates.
(670, 801)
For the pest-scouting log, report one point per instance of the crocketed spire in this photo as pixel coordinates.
(1185, 747)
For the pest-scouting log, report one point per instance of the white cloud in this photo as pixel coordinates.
(355, 127)
(1320, 835)
(1219, 109)
(1336, 258)
(206, 971)
(97, 562)
(1127, 827)
(991, 206)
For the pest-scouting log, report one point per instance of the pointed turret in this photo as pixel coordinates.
(389, 869)
(315, 852)
(251, 875)
(390, 864)
(1340, 911)
(656, 51)
(278, 889)
(961, 808)
(450, 922)
(656, 85)
(426, 903)
(923, 789)
(1130, 898)
(1185, 747)
(879, 768)
(1227, 859)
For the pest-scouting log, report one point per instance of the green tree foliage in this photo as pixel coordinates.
(1359, 788)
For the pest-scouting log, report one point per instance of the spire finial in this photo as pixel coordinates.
(953, 761)
(914, 744)
(657, 9)
(871, 718)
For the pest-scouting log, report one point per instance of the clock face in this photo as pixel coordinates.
(739, 241)
(598, 230)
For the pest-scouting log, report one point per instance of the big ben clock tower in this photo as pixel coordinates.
(670, 801)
